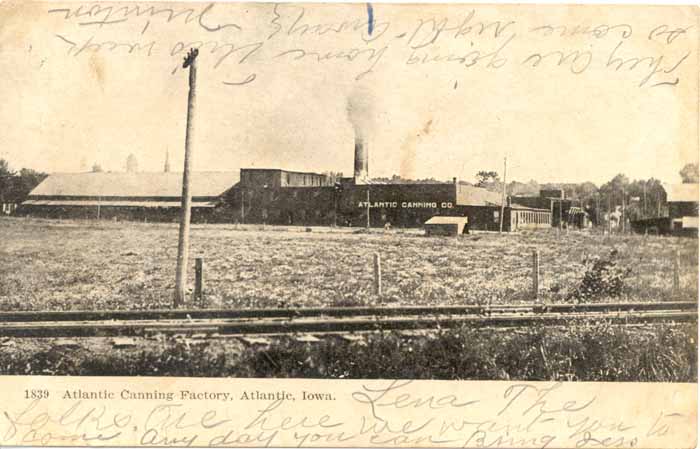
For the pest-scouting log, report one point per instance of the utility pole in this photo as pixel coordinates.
(623, 209)
(644, 186)
(560, 217)
(183, 246)
(597, 209)
(242, 206)
(609, 212)
(368, 208)
(503, 195)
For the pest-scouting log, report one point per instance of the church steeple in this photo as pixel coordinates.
(166, 167)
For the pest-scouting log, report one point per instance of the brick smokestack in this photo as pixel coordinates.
(361, 160)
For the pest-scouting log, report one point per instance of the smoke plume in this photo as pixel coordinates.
(360, 110)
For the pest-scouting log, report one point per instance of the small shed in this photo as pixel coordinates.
(445, 226)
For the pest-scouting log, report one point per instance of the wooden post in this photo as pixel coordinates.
(183, 246)
(536, 274)
(199, 279)
(677, 272)
(377, 274)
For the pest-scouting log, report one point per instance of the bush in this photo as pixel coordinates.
(603, 278)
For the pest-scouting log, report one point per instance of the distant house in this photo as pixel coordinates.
(682, 202)
(553, 200)
(128, 196)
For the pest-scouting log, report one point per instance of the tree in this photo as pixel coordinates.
(689, 174)
(5, 168)
(6, 175)
(28, 179)
(15, 186)
(132, 164)
(96, 168)
(485, 178)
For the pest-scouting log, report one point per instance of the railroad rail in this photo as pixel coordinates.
(330, 320)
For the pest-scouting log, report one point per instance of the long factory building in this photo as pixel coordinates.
(276, 196)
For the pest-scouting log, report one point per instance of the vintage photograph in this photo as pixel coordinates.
(349, 191)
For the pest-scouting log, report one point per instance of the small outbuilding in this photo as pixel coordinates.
(446, 226)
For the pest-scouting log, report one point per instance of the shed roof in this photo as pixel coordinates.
(136, 185)
(517, 206)
(439, 219)
(681, 193)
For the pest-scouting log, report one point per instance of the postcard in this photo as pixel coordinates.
(348, 225)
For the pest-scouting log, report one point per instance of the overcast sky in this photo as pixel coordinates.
(64, 108)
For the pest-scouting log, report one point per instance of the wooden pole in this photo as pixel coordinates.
(677, 272)
(368, 223)
(503, 196)
(623, 210)
(658, 205)
(183, 246)
(560, 216)
(536, 274)
(199, 279)
(377, 274)
(242, 206)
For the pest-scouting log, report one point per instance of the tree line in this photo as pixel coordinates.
(16, 185)
(642, 198)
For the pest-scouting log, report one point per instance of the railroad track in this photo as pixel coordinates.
(332, 320)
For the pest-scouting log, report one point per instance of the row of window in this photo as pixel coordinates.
(533, 218)
(303, 179)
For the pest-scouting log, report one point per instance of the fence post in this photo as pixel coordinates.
(677, 272)
(198, 278)
(377, 274)
(536, 274)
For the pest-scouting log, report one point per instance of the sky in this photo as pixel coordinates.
(77, 93)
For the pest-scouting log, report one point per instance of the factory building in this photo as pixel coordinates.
(275, 196)
(682, 208)
(136, 196)
(562, 210)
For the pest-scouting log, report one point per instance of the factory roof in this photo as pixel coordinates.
(108, 203)
(133, 185)
(476, 196)
(681, 193)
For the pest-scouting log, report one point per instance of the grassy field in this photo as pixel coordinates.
(51, 265)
